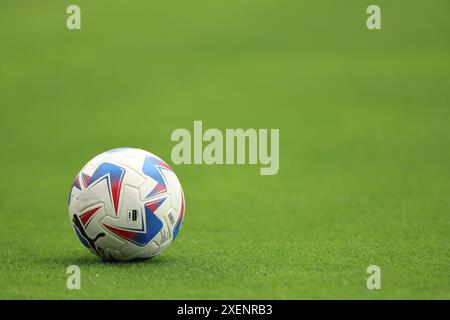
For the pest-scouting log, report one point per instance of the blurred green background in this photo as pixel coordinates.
(365, 144)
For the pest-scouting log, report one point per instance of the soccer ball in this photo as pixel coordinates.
(126, 204)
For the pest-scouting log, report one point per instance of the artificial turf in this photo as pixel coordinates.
(364, 140)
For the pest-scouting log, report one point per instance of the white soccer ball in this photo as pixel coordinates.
(126, 204)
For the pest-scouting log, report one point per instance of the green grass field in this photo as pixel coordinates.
(364, 144)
